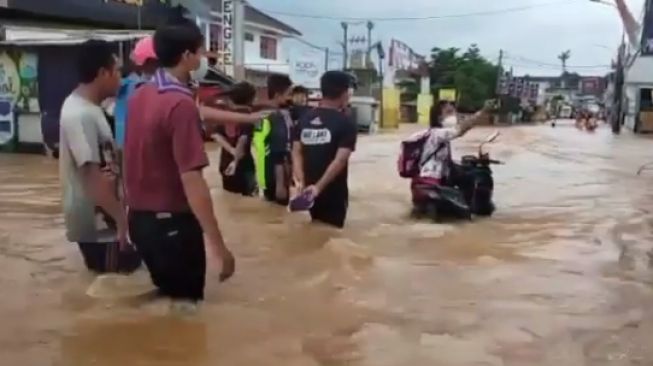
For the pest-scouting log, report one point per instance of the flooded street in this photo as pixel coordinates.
(559, 276)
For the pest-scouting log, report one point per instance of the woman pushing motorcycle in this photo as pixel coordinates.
(436, 164)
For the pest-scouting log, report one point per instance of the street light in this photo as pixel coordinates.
(602, 46)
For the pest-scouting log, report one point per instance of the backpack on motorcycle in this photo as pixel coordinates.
(410, 154)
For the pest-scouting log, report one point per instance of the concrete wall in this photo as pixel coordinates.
(253, 59)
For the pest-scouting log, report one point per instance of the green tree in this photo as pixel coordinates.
(473, 76)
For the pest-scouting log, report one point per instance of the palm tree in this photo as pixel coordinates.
(563, 57)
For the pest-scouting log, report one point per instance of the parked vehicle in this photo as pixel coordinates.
(566, 111)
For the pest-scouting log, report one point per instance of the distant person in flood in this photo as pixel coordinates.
(90, 174)
(236, 161)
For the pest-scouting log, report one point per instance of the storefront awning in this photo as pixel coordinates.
(33, 36)
(106, 14)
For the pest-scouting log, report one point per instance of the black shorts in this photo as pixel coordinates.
(242, 182)
(270, 191)
(172, 247)
(107, 257)
(331, 208)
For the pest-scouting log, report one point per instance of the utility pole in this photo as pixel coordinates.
(381, 53)
(617, 106)
(345, 57)
(368, 58)
(564, 57)
(326, 59)
(499, 72)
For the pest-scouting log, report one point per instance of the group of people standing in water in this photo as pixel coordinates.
(136, 193)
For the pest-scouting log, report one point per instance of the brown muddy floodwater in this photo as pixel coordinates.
(559, 276)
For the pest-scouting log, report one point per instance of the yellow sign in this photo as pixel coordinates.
(448, 95)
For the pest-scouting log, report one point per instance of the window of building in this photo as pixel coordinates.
(249, 37)
(268, 48)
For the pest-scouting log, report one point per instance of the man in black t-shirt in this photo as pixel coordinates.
(322, 143)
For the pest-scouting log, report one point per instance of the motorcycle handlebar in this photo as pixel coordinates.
(481, 159)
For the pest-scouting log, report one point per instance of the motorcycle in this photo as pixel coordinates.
(468, 193)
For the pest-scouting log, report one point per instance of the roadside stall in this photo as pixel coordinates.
(37, 72)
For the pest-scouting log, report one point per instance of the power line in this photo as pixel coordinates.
(429, 17)
(547, 67)
(312, 45)
(548, 64)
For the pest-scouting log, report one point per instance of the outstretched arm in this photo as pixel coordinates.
(475, 120)
(218, 116)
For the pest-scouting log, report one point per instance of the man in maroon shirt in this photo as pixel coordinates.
(170, 206)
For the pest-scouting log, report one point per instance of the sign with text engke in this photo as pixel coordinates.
(226, 53)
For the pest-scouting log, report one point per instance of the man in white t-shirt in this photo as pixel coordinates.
(90, 175)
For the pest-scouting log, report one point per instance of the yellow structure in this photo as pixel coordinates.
(448, 95)
(424, 103)
(391, 102)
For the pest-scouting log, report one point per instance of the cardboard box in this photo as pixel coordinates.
(646, 122)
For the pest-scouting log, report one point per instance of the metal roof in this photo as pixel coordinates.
(36, 36)
(256, 16)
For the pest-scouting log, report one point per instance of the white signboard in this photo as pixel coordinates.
(306, 68)
(227, 32)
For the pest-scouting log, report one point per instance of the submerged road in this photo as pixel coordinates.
(559, 276)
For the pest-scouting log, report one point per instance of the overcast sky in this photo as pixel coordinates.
(531, 38)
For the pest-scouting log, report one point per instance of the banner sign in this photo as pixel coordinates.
(227, 50)
(402, 57)
(518, 87)
(18, 80)
(306, 69)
